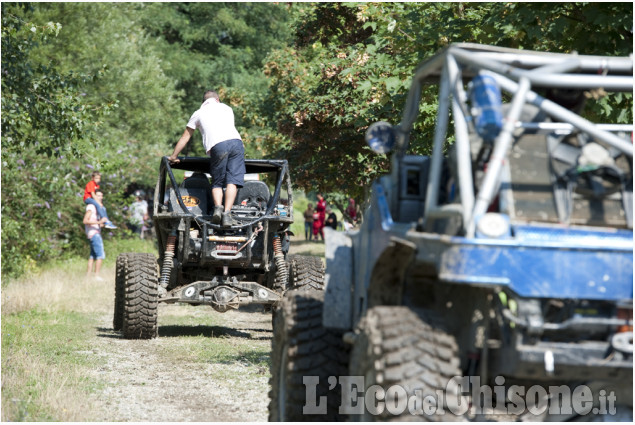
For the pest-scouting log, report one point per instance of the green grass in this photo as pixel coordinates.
(212, 338)
(45, 360)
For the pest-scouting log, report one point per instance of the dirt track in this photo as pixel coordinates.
(160, 380)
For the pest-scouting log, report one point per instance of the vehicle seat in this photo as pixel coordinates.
(253, 193)
(197, 194)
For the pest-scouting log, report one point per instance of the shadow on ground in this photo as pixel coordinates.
(171, 331)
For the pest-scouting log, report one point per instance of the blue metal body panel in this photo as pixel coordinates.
(541, 262)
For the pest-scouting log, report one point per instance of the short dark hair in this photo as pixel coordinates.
(210, 94)
(98, 191)
(96, 173)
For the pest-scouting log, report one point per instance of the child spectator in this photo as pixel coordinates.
(89, 198)
(317, 226)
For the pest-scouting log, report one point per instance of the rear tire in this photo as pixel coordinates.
(397, 346)
(301, 347)
(140, 307)
(306, 272)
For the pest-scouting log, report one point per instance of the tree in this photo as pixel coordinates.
(105, 38)
(220, 46)
(351, 65)
(46, 126)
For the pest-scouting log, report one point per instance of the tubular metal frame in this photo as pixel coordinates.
(516, 72)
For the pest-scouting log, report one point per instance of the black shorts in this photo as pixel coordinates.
(227, 163)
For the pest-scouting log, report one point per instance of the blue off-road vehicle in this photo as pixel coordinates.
(492, 279)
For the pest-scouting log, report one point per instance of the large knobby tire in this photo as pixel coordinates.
(306, 271)
(141, 297)
(396, 346)
(120, 287)
(302, 347)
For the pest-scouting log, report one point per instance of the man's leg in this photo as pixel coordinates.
(217, 197)
(230, 196)
(90, 266)
(100, 254)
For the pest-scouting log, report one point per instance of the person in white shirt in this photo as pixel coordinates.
(138, 213)
(92, 225)
(223, 144)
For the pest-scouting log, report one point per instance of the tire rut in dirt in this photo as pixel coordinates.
(141, 297)
(301, 347)
(400, 346)
(306, 271)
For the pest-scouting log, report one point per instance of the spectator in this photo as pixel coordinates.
(89, 198)
(316, 226)
(92, 225)
(321, 211)
(351, 212)
(331, 220)
(138, 213)
(308, 222)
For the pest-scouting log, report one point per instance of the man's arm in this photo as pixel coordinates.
(187, 135)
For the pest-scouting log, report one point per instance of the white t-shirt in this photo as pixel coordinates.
(92, 229)
(215, 121)
(138, 210)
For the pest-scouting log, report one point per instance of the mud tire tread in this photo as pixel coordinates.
(397, 345)
(140, 307)
(120, 272)
(311, 350)
(306, 271)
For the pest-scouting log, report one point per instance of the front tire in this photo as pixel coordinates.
(409, 351)
(140, 307)
(302, 347)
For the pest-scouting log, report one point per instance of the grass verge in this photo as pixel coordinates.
(48, 320)
(45, 357)
(50, 348)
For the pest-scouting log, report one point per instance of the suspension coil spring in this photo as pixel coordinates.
(281, 273)
(167, 261)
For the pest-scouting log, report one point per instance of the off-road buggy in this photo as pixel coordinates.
(202, 263)
(504, 260)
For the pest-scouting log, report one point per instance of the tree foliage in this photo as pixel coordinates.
(45, 123)
(220, 46)
(351, 65)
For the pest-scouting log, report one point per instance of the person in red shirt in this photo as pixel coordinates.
(351, 211)
(89, 199)
(320, 209)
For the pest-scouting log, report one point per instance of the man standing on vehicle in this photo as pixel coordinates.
(223, 144)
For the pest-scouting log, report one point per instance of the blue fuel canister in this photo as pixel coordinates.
(486, 101)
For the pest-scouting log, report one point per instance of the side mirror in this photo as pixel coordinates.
(380, 136)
